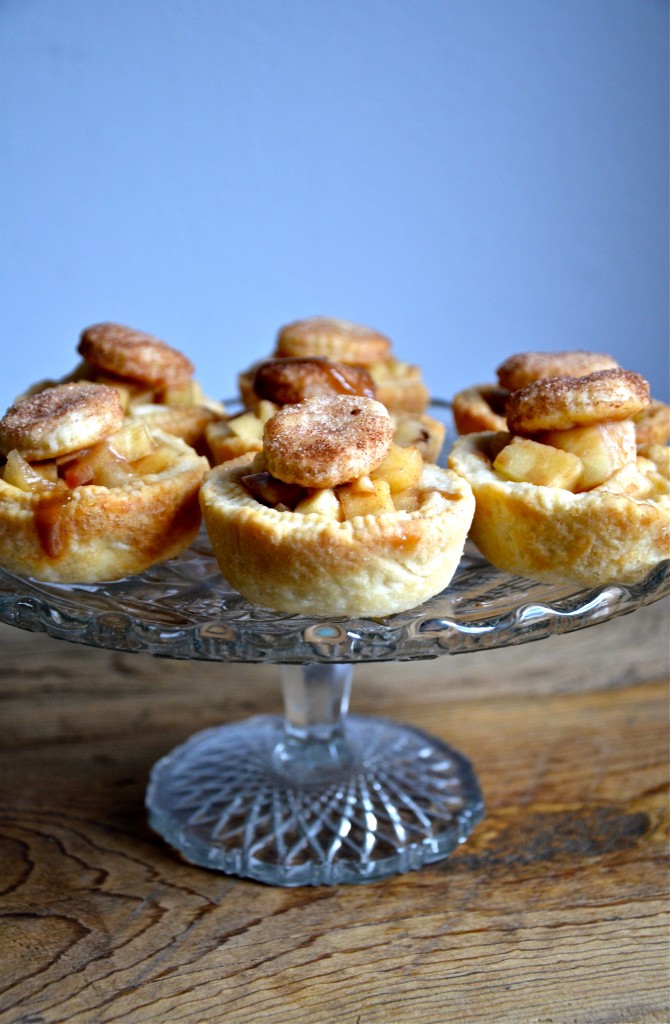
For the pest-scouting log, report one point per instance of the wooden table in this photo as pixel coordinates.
(553, 911)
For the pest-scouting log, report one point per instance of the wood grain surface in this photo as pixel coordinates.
(553, 912)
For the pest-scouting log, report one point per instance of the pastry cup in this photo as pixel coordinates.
(548, 533)
(189, 422)
(312, 564)
(480, 408)
(90, 533)
(400, 386)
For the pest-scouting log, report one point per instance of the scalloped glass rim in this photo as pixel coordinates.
(185, 609)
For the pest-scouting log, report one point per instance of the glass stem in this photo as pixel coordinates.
(316, 700)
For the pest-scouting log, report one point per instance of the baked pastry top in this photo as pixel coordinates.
(483, 407)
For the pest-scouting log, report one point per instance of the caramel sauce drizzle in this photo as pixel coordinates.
(332, 376)
(49, 521)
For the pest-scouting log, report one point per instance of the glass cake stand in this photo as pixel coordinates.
(316, 796)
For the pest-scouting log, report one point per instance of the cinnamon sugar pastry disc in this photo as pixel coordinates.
(90, 533)
(548, 533)
(337, 339)
(125, 352)
(155, 380)
(60, 419)
(371, 565)
(559, 403)
(328, 440)
(526, 367)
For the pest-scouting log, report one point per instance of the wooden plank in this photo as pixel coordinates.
(554, 910)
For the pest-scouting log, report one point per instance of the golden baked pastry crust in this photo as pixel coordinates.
(133, 355)
(480, 407)
(400, 386)
(327, 440)
(558, 403)
(311, 564)
(337, 339)
(189, 422)
(653, 425)
(60, 419)
(102, 533)
(547, 533)
(522, 369)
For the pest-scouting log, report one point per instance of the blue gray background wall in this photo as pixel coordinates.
(472, 177)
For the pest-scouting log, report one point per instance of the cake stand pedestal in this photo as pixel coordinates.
(316, 796)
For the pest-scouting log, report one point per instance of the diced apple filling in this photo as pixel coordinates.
(36, 477)
(356, 502)
(393, 486)
(130, 452)
(527, 461)
(401, 468)
(579, 459)
(132, 441)
(228, 439)
(603, 449)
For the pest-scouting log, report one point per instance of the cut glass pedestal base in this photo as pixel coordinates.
(373, 799)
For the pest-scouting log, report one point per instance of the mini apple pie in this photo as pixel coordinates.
(482, 407)
(87, 494)
(332, 517)
(398, 385)
(155, 381)
(280, 381)
(565, 495)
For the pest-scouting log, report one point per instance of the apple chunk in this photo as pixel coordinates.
(321, 502)
(603, 449)
(132, 441)
(527, 461)
(402, 468)
(356, 502)
(29, 477)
